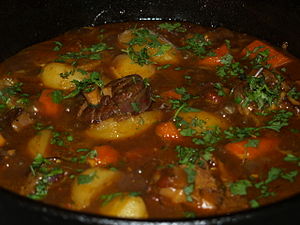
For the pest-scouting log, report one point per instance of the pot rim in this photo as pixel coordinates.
(90, 218)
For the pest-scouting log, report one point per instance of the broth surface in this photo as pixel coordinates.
(151, 120)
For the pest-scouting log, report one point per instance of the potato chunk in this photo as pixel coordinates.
(203, 120)
(111, 129)
(125, 207)
(90, 183)
(166, 53)
(60, 76)
(39, 143)
(169, 57)
(122, 66)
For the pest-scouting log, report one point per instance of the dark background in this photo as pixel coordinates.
(25, 22)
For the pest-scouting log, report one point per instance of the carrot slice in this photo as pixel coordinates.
(276, 58)
(171, 94)
(215, 60)
(2, 140)
(47, 106)
(252, 148)
(168, 131)
(106, 155)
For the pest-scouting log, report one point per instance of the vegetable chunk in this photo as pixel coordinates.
(2, 140)
(47, 106)
(275, 58)
(154, 47)
(168, 131)
(215, 60)
(90, 183)
(112, 129)
(106, 156)
(122, 66)
(252, 148)
(125, 207)
(60, 76)
(203, 120)
(39, 143)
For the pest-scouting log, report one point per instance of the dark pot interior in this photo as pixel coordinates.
(23, 23)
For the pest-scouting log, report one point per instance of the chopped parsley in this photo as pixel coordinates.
(15, 91)
(240, 187)
(254, 203)
(292, 158)
(65, 75)
(60, 138)
(58, 46)
(41, 167)
(86, 178)
(146, 40)
(86, 85)
(40, 126)
(188, 190)
(177, 27)
(136, 107)
(92, 52)
(239, 133)
(189, 214)
(219, 88)
(181, 105)
(261, 58)
(191, 177)
(230, 68)
(57, 96)
(261, 93)
(109, 197)
(293, 93)
(279, 120)
(199, 46)
(209, 136)
(89, 154)
(186, 155)
(163, 67)
(252, 143)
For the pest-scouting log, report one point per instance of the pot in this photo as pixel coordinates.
(23, 23)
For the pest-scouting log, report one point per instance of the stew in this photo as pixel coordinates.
(151, 120)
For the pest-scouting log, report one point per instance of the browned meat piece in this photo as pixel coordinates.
(93, 97)
(10, 116)
(125, 96)
(48, 174)
(171, 184)
(22, 121)
(219, 35)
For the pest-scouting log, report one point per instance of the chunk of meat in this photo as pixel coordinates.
(38, 182)
(172, 184)
(121, 97)
(9, 116)
(22, 121)
(93, 97)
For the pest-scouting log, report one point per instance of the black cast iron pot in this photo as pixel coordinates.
(25, 22)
